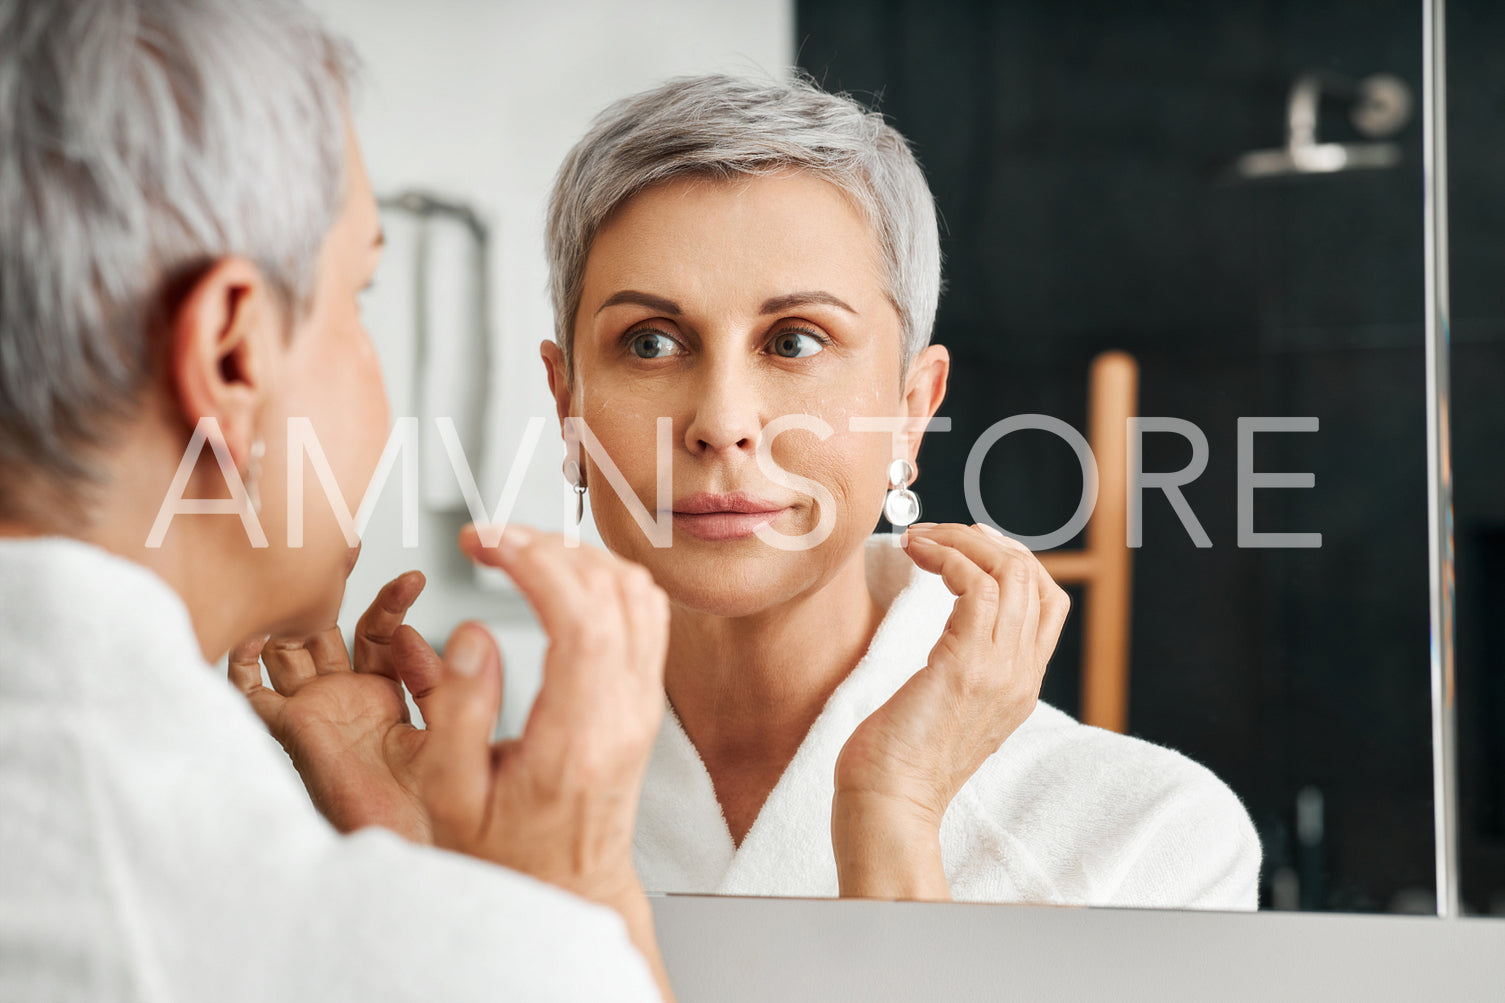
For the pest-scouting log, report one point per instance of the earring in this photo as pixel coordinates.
(902, 506)
(573, 476)
(253, 475)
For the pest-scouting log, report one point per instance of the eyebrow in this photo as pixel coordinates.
(381, 239)
(648, 300)
(777, 304)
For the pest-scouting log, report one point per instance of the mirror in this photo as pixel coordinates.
(1229, 196)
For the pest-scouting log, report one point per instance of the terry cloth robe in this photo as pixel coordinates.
(1062, 813)
(156, 844)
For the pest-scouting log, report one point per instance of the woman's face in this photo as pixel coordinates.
(724, 306)
(330, 375)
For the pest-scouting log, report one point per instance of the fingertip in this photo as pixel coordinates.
(400, 592)
(470, 649)
(250, 649)
(495, 545)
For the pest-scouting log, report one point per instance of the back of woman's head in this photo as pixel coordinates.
(139, 141)
(719, 127)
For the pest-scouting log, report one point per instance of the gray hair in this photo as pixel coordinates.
(720, 126)
(139, 141)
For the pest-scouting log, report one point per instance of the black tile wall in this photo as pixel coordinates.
(1079, 155)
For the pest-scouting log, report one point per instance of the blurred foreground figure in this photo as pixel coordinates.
(185, 224)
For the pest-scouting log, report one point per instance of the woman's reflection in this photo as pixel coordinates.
(848, 716)
(758, 263)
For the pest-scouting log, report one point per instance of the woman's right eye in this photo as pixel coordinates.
(653, 345)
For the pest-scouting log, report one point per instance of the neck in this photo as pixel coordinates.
(747, 689)
(193, 560)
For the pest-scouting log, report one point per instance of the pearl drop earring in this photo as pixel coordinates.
(573, 476)
(902, 506)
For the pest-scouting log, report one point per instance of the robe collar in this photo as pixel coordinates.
(683, 843)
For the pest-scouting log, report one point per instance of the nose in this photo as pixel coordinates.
(727, 418)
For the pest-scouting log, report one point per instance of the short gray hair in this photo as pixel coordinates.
(721, 126)
(139, 141)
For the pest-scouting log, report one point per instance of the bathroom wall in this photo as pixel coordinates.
(480, 101)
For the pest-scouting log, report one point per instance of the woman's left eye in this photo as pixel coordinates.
(796, 344)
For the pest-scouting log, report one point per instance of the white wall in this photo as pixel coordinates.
(481, 100)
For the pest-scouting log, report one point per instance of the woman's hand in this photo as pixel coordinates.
(560, 802)
(899, 770)
(347, 729)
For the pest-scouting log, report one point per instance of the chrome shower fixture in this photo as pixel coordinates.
(1381, 107)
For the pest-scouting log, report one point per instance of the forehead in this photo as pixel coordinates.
(770, 231)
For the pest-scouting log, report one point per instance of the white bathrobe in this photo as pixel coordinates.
(1060, 814)
(156, 844)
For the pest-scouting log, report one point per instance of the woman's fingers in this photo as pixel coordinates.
(646, 615)
(975, 616)
(1029, 609)
(1029, 622)
(374, 630)
(459, 713)
(646, 610)
(985, 546)
(326, 650)
(539, 565)
(245, 664)
(575, 593)
(607, 623)
(245, 675)
(1055, 604)
(1009, 562)
(289, 664)
(417, 665)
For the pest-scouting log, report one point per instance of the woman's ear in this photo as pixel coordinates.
(559, 381)
(222, 334)
(924, 389)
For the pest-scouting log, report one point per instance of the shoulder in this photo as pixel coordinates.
(1106, 764)
(1143, 824)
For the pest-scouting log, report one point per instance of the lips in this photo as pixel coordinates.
(715, 517)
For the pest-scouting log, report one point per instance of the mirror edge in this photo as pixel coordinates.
(1439, 461)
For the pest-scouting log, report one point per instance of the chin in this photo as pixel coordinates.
(738, 581)
(315, 610)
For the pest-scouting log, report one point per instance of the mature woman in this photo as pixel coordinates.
(845, 715)
(185, 227)
(753, 268)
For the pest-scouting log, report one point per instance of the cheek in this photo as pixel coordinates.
(348, 374)
(370, 397)
(626, 429)
(852, 466)
(337, 386)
